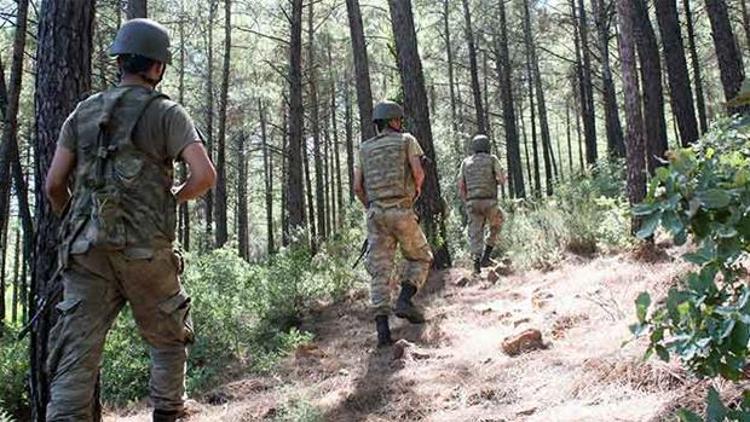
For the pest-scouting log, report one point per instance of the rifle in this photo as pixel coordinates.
(362, 252)
(54, 292)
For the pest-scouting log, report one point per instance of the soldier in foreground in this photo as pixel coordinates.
(477, 184)
(118, 231)
(387, 180)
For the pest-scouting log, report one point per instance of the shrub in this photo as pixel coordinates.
(245, 315)
(705, 321)
(14, 368)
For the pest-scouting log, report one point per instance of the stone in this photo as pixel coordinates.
(524, 342)
(463, 281)
(399, 349)
(492, 277)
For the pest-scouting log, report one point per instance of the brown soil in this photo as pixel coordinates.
(453, 368)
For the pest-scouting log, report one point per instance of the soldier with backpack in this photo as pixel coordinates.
(118, 147)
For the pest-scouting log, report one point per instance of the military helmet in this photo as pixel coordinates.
(480, 143)
(387, 110)
(143, 37)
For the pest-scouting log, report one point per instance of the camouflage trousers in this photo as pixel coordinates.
(97, 285)
(483, 212)
(388, 228)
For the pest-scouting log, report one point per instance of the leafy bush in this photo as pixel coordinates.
(704, 193)
(586, 214)
(244, 314)
(14, 367)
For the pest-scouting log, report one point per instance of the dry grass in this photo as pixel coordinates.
(456, 371)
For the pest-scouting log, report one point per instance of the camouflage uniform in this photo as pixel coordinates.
(117, 246)
(391, 221)
(480, 173)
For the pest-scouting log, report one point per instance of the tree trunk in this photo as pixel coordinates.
(430, 205)
(615, 142)
(312, 74)
(696, 64)
(504, 69)
(136, 9)
(677, 70)
(10, 106)
(527, 156)
(745, 22)
(451, 80)
(636, 179)
(242, 206)
(727, 51)
(339, 190)
(361, 68)
(535, 77)
(267, 178)
(16, 277)
(210, 117)
(284, 177)
(63, 75)
(184, 210)
(589, 119)
(651, 74)
(568, 138)
(349, 141)
(295, 201)
(310, 202)
(221, 171)
(474, 71)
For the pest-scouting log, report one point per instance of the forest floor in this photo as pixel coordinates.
(453, 367)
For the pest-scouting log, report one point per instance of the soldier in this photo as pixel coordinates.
(118, 227)
(387, 180)
(477, 184)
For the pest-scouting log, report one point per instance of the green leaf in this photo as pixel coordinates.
(671, 222)
(714, 198)
(649, 226)
(644, 209)
(662, 353)
(688, 416)
(716, 412)
(641, 306)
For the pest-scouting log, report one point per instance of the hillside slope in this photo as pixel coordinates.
(453, 368)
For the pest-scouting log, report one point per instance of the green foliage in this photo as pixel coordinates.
(245, 315)
(14, 368)
(586, 214)
(704, 192)
(298, 409)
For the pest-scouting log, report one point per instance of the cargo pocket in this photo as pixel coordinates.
(60, 333)
(178, 323)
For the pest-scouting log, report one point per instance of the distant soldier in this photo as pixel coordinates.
(477, 183)
(387, 180)
(119, 146)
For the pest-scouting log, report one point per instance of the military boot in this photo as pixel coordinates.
(166, 415)
(384, 332)
(404, 306)
(477, 266)
(486, 260)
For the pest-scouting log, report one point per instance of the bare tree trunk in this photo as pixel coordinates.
(527, 156)
(267, 178)
(242, 206)
(677, 70)
(295, 201)
(184, 210)
(63, 75)
(361, 68)
(745, 22)
(136, 9)
(504, 70)
(16, 277)
(568, 138)
(430, 205)
(10, 106)
(636, 179)
(339, 190)
(349, 141)
(451, 78)
(310, 201)
(221, 171)
(481, 125)
(284, 177)
(312, 75)
(589, 119)
(696, 64)
(653, 98)
(615, 142)
(727, 51)
(210, 116)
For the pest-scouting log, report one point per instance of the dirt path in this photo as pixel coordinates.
(455, 370)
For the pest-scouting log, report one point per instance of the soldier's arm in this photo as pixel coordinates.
(359, 186)
(56, 183)
(415, 162)
(462, 188)
(202, 175)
